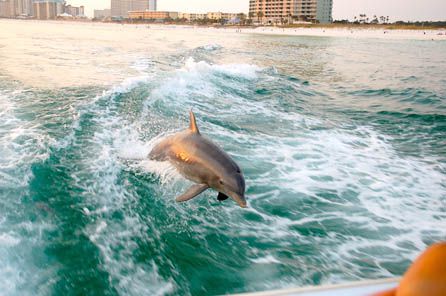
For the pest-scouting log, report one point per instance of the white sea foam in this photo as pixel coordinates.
(142, 64)
(246, 71)
(128, 84)
(114, 147)
(199, 84)
(22, 144)
(265, 260)
(8, 240)
(388, 186)
(210, 47)
(137, 153)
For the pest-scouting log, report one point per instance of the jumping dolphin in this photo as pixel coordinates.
(201, 161)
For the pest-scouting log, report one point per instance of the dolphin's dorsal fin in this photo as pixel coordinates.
(193, 123)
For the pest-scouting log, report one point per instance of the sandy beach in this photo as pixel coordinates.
(439, 34)
(353, 32)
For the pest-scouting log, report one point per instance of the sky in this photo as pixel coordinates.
(342, 9)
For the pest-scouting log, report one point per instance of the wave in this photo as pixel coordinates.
(113, 139)
(407, 100)
(22, 144)
(246, 71)
(210, 47)
(322, 190)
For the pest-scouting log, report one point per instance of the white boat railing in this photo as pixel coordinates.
(360, 288)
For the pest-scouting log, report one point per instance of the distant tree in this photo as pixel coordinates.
(363, 18)
(259, 15)
(341, 22)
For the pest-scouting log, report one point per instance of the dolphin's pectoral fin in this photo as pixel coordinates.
(193, 191)
(222, 197)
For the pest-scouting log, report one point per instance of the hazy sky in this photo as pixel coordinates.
(396, 9)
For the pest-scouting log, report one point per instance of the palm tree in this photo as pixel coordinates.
(260, 14)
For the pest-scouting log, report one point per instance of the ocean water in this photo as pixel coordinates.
(342, 143)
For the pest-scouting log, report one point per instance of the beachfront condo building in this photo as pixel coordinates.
(152, 15)
(40, 9)
(102, 13)
(288, 11)
(314, 10)
(189, 17)
(120, 8)
(76, 11)
(48, 9)
(15, 8)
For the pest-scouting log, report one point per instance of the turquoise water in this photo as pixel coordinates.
(342, 143)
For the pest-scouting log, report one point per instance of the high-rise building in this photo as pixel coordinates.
(324, 11)
(120, 8)
(314, 10)
(74, 10)
(48, 9)
(280, 11)
(14, 8)
(102, 13)
(271, 11)
(5, 8)
(152, 5)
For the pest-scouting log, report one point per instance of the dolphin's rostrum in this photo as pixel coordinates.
(203, 162)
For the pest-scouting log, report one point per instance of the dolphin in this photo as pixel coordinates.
(201, 161)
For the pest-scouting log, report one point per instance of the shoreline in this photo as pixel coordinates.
(367, 33)
(317, 30)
